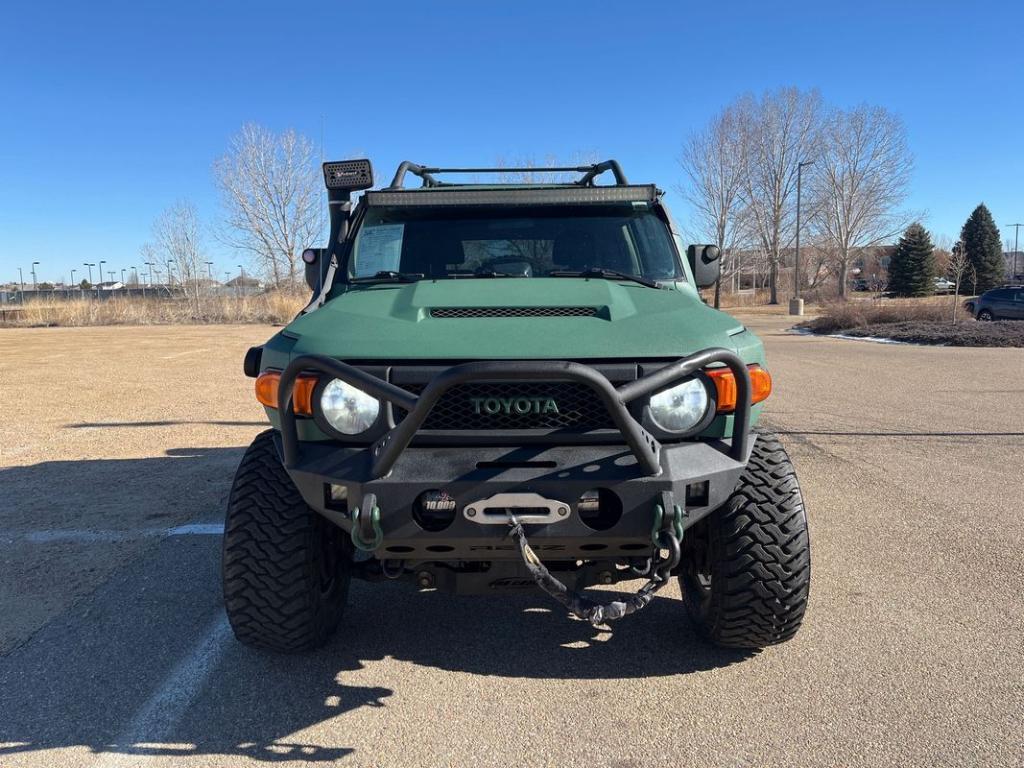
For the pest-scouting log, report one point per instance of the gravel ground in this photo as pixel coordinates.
(115, 460)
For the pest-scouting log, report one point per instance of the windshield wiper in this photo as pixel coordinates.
(495, 273)
(606, 274)
(390, 276)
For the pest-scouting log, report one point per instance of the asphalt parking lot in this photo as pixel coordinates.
(117, 449)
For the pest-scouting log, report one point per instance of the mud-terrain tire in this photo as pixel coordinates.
(285, 569)
(986, 315)
(747, 566)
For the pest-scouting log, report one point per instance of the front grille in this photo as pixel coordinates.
(489, 406)
(460, 312)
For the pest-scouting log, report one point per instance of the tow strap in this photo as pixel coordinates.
(582, 606)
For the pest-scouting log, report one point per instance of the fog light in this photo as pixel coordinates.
(433, 510)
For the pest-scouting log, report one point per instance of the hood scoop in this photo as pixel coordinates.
(467, 312)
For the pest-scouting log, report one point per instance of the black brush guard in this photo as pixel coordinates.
(386, 451)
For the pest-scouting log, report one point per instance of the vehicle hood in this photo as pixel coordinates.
(391, 322)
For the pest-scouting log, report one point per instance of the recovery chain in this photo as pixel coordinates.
(664, 536)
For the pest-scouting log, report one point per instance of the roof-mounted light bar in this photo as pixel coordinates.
(510, 196)
(348, 175)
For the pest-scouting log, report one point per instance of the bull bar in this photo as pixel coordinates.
(388, 448)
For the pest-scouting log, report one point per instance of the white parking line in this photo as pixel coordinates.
(171, 700)
(197, 529)
(89, 537)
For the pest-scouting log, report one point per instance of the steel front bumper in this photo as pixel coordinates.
(558, 473)
(697, 476)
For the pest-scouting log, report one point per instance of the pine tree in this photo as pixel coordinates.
(980, 238)
(912, 266)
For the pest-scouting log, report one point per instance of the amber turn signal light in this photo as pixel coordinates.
(267, 385)
(725, 383)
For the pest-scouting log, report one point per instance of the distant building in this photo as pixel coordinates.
(242, 284)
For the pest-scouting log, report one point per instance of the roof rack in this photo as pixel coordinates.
(590, 172)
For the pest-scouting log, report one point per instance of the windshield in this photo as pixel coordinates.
(517, 242)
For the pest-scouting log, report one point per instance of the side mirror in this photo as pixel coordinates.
(316, 262)
(705, 263)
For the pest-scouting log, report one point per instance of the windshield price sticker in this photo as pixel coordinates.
(380, 249)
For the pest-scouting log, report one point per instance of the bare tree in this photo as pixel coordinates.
(861, 174)
(818, 258)
(272, 197)
(959, 267)
(178, 242)
(941, 254)
(528, 171)
(780, 130)
(714, 160)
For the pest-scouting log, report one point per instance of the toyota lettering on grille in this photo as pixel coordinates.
(517, 406)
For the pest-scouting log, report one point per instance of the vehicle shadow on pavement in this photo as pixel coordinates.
(118, 493)
(129, 649)
(522, 635)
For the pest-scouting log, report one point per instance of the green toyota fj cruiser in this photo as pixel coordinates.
(497, 386)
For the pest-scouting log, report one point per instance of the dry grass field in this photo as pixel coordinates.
(837, 316)
(273, 307)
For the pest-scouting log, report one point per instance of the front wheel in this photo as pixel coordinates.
(986, 315)
(747, 569)
(286, 570)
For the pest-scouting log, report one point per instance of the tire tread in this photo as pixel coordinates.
(760, 577)
(270, 569)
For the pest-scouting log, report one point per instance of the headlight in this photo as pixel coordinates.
(348, 409)
(681, 408)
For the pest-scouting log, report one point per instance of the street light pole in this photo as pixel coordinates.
(101, 278)
(1016, 234)
(799, 191)
(34, 265)
(90, 266)
(72, 282)
(796, 306)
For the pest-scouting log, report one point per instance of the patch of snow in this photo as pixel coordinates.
(876, 339)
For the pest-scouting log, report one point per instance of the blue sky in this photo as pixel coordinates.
(109, 114)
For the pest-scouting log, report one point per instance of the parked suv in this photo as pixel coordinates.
(498, 387)
(1004, 303)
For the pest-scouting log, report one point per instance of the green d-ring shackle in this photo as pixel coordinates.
(378, 533)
